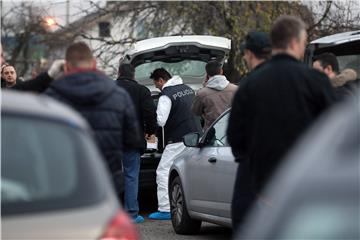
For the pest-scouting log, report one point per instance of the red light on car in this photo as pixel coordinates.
(120, 228)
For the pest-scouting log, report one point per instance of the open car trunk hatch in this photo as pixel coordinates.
(178, 48)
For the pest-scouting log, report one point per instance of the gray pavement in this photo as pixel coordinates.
(151, 230)
(158, 230)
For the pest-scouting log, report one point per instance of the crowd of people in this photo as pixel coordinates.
(271, 108)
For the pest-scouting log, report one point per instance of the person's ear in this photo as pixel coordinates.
(329, 68)
(93, 65)
(221, 71)
(66, 67)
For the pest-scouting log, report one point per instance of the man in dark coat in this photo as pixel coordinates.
(107, 107)
(146, 113)
(256, 50)
(276, 104)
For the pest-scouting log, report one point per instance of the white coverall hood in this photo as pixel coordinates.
(175, 80)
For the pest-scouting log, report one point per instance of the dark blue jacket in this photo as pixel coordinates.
(108, 109)
(181, 120)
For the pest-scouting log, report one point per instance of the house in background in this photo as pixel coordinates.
(107, 34)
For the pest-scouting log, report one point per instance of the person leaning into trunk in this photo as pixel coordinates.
(174, 114)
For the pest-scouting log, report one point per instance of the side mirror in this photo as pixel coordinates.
(191, 139)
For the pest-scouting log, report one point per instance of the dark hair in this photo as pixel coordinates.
(327, 59)
(213, 68)
(126, 70)
(78, 52)
(5, 65)
(264, 55)
(284, 30)
(160, 73)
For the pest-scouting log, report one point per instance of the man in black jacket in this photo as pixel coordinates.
(146, 113)
(276, 104)
(107, 107)
(257, 50)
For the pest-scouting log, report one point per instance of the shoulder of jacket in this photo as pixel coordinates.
(233, 86)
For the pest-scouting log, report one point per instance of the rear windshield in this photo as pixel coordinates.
(349, 61)
(46, 165)
(187, 69)
(348, 55)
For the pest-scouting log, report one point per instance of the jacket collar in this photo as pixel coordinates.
(284, 56)
(125, 79)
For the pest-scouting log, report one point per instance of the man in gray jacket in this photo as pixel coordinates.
(216, 96)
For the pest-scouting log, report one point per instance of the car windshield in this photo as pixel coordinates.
(188, 69)
(41, 162)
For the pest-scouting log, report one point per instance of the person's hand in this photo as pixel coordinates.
(56, 69)
(151, 138)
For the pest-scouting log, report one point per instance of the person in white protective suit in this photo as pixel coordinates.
(175, 116)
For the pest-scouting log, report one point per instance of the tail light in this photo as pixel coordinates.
(120, 228)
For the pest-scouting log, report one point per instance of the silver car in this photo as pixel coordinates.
(54, 184)
(201, 180)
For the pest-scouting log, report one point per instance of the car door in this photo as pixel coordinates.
(212, 171)
(225, 168)
(201, 175)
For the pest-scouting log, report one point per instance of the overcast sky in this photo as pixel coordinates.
(56, 8)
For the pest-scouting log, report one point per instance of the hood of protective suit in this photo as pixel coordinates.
(175, 80)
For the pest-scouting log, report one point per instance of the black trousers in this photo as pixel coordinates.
(243, 196)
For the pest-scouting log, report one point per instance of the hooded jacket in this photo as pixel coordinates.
(212, 100)
(108, 109)
(345, 84)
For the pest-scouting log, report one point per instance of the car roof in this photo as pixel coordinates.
(153, 43)
(338, 38)
(39, 106)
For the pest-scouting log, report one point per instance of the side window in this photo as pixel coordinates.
(216, 136)
(104, 29)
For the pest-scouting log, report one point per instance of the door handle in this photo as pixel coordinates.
(212, 160)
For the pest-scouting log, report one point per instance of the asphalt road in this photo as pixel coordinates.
(157, 230)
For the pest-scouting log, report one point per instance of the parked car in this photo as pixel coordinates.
(346, 46)
(315, 194)
(201, 180)
(180, 55)
(54, 184)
